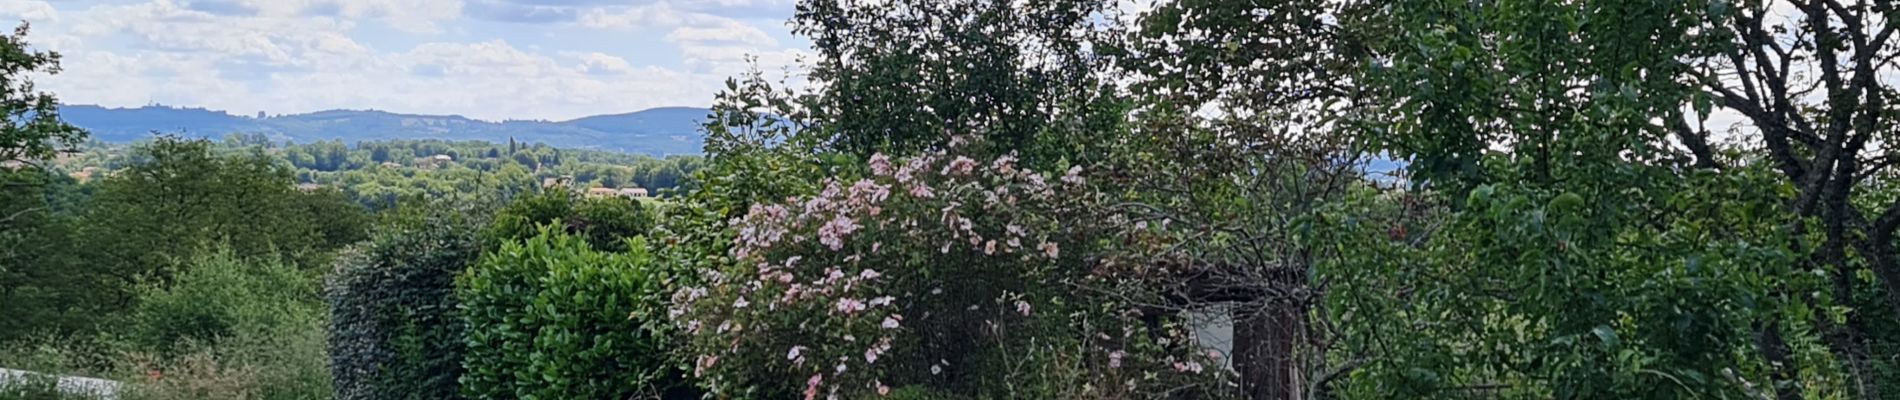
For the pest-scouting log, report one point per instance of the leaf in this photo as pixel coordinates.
(1607, 335)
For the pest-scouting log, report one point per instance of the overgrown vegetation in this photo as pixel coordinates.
(1307, 199)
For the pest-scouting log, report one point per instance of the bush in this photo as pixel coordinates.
(955, 276)
(604, 222)
(227, 328)
(548, 318)
(215, 296)
(395, 331)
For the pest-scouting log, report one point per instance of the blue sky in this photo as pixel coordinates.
(488, 59)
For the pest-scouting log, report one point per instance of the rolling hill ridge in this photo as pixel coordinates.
(657, 131)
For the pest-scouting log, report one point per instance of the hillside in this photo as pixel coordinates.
(659, 131)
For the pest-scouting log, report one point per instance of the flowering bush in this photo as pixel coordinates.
(938, 270)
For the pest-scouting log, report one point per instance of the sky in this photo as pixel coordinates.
(485, 59)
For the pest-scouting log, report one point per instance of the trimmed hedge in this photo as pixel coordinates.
(395, 332)
(548, 318)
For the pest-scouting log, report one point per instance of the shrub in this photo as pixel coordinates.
(602, 221)
(548, 318)
(395, 331)
(228, 328)
(214, 296)
(955, 275)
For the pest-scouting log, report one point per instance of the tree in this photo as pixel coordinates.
(1814, 81)
(177, 196)
(901, 77)
(30, 128)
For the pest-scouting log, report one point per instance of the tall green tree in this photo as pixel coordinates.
(904, 76)
(30, 128)
(177, 196)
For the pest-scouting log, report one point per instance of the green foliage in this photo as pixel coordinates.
(42, 286)
(30, 128)
(901, 77)
(603, 222)
(177, 195)
(394, 330)
(217, 295)
(221, 312)
(549, 318)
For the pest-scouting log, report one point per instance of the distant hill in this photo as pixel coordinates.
(659, 131)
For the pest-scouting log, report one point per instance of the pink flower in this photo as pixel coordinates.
(865, 192)
(1022, 307)
(882, 390)
(832, 234)
(705, 362)
(870, 355)
(989, 247)
(1049, 249)
(910, 168)
(794, 354)
(880, 164)
(1005, 165)
(921, 191)
(959, 166)
(1074, 176)
(811, 386)
(869, 274)
(1115, 359)
(850, 306)
(889, 323)
(883, 301)
(741, 303)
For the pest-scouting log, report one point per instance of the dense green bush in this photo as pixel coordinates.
(260, 317)
(602, 221)
(394, 331)
(548, 318)
(216, 296)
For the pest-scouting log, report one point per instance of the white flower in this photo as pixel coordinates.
(889, 323)
(1115, 359)
(794, 354)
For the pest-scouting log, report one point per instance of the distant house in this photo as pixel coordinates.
(391, 164)
(602, 192)
(556, 181)
(84, 174)
(308, 187)
(443, 157)
(621, 192)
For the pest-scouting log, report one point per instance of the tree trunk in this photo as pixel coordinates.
(1268, 342)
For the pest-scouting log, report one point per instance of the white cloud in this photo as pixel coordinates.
(291, 56)
(601, 63)
(407, 15)
(722, 30)
(29, 10)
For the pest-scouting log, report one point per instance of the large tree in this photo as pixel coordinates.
(30, 128)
